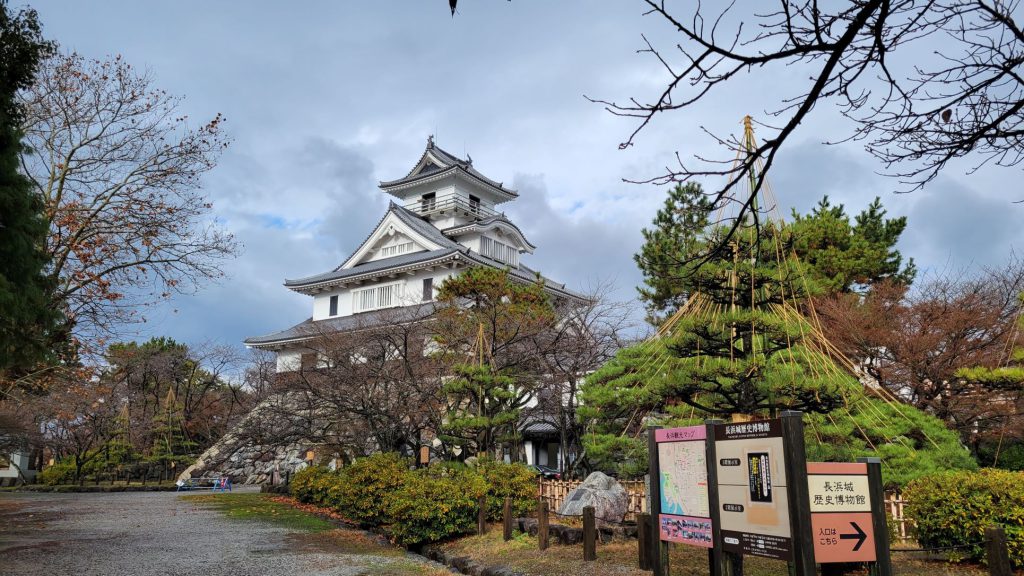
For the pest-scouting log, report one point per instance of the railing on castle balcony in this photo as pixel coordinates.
(451, 205)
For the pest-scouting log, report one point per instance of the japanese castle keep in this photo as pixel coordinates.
(446, 218)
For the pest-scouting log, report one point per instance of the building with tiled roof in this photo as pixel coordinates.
(445, 220)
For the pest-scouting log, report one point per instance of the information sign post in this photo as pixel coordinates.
(799, 498)
(683, 491)
(752, 489)
(883, 563)
(659, 550)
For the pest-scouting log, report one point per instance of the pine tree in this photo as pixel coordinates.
(845, 257)
(27, 320)
(489, 406)
(667, 245)
(171, 444)
(488, 324)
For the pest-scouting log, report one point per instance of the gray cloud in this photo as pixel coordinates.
(326, 99)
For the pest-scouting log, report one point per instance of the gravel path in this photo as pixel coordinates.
(158, 533)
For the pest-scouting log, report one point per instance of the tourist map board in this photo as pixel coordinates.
(685, 512)
(752, 489)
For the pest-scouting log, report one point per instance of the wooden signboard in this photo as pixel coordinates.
(752, 489)
(683, 479)
(841, 519)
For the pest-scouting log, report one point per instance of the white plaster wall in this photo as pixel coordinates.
(289, 360)
(471, 241)
(396, 239)
(11, 471)
(322, 303)
(441, 194)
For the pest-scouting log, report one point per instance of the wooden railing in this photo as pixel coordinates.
(894, 504)
(556, 491)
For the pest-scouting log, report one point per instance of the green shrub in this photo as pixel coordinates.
(62, 472)
(514, 481)
(367, 485)
(313, 485)
(954, 508)
(435, 503)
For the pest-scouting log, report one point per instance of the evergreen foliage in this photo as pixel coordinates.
(844, 256)
(28, 322)
(487, 323)
(741, 348)
(953, 509)
(667, 246)
(488, 410)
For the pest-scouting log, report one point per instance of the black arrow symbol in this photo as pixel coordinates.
(860, 536)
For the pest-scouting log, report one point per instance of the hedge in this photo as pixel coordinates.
(416, 506)
(954, 508)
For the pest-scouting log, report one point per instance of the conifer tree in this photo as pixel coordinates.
(844, 256)
(27, 321)
(667, 245)
(488, 324)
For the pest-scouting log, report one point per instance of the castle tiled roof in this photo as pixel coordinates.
(450, 164)
(309, 328)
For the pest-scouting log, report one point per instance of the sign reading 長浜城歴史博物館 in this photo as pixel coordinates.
(841, 522)
(752, 489)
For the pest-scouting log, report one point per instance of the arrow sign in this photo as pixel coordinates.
(843, 537)
(860, 536)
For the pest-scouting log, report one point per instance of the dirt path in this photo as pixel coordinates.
(158, 533)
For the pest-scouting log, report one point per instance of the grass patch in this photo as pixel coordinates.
(261, 507)
(404, 567)
(619, 558)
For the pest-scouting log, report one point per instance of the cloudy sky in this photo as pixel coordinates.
(324, 99)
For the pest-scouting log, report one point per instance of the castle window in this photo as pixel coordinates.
(396, 249)
(427, 202)
(334, 305)
(428, 289)
(376, 297)
(499, 251)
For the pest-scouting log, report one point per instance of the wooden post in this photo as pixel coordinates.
(481, 515)
(659, 549)
(589, 534)
(798, 492)
(995, 552)
(643, 537)
(715, 558)
(883, 563)
(507, 519)
(542, 524)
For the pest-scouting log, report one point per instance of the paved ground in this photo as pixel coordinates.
(158, 533)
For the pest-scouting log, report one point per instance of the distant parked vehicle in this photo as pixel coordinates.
(546, 472)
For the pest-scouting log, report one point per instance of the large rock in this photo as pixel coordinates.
(601, 491)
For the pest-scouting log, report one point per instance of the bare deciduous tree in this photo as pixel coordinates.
(376, 386)
(916, 344)
(588, 335)
(924, 81)
(119, 169)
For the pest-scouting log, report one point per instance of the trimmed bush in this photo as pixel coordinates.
(425, 505)
(367, 485)
(954, 508)
(503, 480)
(312, 485)
(435, 504)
